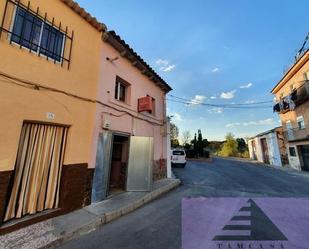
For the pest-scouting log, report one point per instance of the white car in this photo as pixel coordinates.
(178, 157)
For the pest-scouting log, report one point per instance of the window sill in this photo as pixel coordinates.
(39, 55)
(119, 102)
(149, 114)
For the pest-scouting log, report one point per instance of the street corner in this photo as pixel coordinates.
(245, 223)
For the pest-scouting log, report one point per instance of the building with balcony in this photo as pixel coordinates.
(292, 104)
(269, 147)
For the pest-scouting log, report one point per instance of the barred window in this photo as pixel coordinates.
(33, 33)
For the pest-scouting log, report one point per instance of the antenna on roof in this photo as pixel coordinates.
(303, 48)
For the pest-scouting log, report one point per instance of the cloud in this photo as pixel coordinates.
(246, 86)
(215, 70)
(165, 66)
(269, 121)
(216, 110)
(228, 95)
(197, 100)
(176, 117)
(232, 125)
(169, 68)
(161, 62)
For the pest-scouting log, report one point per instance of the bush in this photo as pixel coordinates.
(206, 154)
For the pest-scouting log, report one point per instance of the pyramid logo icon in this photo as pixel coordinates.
(250, 224)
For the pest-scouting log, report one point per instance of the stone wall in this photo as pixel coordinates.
(159, 169)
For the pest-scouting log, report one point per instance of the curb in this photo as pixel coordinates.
(108, 217)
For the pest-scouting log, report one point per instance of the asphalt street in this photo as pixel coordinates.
(158, 224)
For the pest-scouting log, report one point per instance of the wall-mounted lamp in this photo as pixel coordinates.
(112, 59)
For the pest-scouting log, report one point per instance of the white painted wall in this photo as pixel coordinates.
(168, 148)
(294, 161)
(273, 149)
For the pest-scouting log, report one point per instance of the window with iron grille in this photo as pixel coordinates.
(31, 32)
(28, 28)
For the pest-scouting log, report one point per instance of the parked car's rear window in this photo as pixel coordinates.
(178, 153)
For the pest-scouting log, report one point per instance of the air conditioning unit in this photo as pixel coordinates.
(145, 104)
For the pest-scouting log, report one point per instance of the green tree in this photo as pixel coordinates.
(241, 145)
(194, 143)
(230, 146)
(199, 144)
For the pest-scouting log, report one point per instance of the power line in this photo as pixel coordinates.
(220, 106)
(239, 106)
(37, 86)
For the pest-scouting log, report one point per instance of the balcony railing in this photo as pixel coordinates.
(296, 98)
(297, 134)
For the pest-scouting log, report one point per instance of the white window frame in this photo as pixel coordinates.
(40, 39)
(118, 84)
(300, 119)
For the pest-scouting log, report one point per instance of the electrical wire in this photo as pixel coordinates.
(35, 86)
(219, 106)
(231, 106)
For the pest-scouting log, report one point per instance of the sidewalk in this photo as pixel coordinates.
(55, 231)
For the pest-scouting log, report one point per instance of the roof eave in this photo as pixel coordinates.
(127, 52)
(101, 27)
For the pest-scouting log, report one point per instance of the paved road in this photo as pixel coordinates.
(158, 224)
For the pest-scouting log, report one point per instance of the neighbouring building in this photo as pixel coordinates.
(130, 139)
(292, 104)
(83, 116)
(49, 69)
(269, 147)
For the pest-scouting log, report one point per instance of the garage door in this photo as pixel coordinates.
(140, 164)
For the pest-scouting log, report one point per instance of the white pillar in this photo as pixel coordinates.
(168, 148)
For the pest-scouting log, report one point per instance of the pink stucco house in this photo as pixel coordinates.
(130, 139)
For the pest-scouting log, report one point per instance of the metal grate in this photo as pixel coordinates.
(64, 58)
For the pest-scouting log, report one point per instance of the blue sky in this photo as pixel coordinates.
(218, 52)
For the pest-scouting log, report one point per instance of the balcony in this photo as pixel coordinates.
(296, 98)
(297, 134)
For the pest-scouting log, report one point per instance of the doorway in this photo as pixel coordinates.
(119, 165)
(254, 150)
(36, 184)
(265, 150)
(305, 157)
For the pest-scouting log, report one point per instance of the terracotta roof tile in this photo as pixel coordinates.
(118, 43)
(84, 14)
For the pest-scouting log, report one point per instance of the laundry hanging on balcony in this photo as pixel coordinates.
(286, 104)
